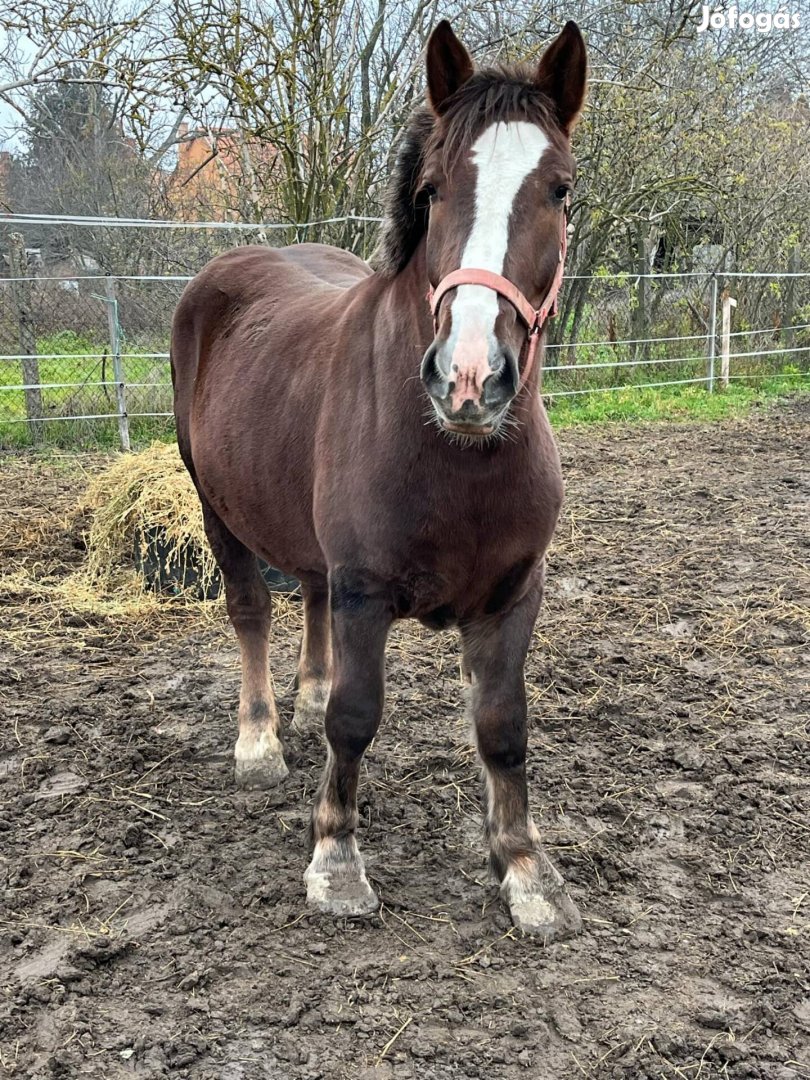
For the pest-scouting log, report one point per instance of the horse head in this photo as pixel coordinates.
(496, 178)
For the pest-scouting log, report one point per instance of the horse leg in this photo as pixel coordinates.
(259, 757)
(361, 617)
(495, 649)
(315, 659)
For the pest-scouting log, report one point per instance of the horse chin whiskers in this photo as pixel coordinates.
(508, 428)
(503, 430)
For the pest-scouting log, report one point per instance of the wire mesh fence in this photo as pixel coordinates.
(619, 331)
(84, 357)
(90, 353)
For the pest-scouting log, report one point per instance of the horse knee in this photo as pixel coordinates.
(501, 738)
(249, 604)
(351, 724)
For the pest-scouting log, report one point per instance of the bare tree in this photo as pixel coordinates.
(688, 138)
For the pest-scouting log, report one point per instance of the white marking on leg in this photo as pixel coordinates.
(518, 887)
(330, 856)
(313, 696)
(336, 879)
(256, 746)
(504, 155)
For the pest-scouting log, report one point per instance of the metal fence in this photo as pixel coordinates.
(85, 356)
(86, 351)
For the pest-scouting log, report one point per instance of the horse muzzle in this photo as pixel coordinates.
(470, 399)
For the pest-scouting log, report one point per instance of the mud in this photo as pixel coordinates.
(153, 921)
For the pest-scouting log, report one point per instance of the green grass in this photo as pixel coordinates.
(672, 402)
(87, 434)
(68, 357)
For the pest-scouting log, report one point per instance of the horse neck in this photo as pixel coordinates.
(403, 316)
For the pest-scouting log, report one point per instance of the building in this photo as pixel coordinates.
(221, 175)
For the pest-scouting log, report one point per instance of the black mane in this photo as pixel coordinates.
(492, 96)
(404, 222)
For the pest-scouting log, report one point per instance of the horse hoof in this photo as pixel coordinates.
(551, 920)
(261, 773)
(537, 900)
(340, 890)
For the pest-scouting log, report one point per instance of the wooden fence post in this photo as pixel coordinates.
(22, 300)
(118, 368)
(725, 337)
(640, 319)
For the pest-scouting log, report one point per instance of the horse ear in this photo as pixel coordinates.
(562, 75)
(449, 65)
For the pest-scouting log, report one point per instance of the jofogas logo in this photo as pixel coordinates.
(762, 21)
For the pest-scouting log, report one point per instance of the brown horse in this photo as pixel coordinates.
(398, 465)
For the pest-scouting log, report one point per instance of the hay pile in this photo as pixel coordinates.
(145, 504)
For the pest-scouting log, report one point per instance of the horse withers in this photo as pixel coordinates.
(393, 452)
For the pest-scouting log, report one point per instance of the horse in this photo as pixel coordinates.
(392, 451)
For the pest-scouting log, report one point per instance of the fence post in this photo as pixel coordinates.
(21, 298)
(118, 369)
(725, 337)
(712, 338)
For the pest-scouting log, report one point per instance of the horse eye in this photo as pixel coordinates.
(562, 192)
(429, 191)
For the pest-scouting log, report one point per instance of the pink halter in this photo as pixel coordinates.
(533, 318)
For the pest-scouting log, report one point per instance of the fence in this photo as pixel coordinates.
(85, 356)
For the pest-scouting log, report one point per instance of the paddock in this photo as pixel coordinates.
(153, 917)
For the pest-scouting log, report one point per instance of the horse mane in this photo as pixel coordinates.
(405, 217)
(493, 95)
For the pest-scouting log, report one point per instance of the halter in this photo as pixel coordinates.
(534, 318)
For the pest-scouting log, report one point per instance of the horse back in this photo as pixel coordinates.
(233, 282)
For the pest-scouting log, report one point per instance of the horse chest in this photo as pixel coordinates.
(452, 535)
(474, 562)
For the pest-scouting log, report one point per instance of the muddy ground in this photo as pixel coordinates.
(153, 921)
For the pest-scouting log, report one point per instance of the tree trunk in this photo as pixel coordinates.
(794, 264)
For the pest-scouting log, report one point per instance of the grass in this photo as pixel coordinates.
(83, 361)
(693, 402)
(87, 434)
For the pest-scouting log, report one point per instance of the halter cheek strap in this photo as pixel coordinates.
(534, 318)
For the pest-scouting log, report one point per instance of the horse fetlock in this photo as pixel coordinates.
(535, 893)
(310, 704)
(259, 760)
(336, 879)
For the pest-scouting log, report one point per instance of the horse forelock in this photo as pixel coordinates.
(493, 95)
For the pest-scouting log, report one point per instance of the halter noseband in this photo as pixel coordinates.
(534, 318)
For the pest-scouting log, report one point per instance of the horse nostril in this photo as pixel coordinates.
(502, 385)
(435, 381)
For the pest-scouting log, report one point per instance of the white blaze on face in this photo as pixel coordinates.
(503, 155)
